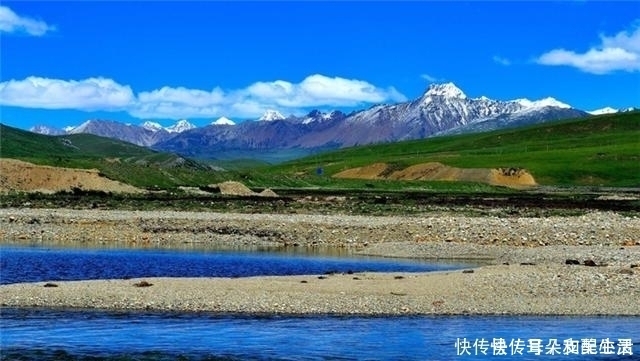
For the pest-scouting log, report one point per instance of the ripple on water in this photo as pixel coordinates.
(94, 335)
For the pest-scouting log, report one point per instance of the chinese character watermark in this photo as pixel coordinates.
(538, 346)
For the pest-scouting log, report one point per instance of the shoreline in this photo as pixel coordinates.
(376, 294)
(536, 280)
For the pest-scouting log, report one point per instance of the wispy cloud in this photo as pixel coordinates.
(10, 22)
(500, 60)
(429, 78)
(620, 52)
(167, 102)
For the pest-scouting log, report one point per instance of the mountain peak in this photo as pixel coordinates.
(152, 126)
(447, 90)
(271, 115)
(546, 102)
(46, 130)
(223, 121)
(81, 128)
(607, 110)
(181, 126)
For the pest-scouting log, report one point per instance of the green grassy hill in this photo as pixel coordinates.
(118, 160)
(594, 151)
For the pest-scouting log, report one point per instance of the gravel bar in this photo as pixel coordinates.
(526, 271)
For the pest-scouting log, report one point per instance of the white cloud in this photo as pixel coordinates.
(11, 22)
(87, 94)
(429, 78)
(615, 53)
(502, 61)
(319, 90)
(180, 102)
(167, 102)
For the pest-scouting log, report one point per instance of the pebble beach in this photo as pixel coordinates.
(553, 265)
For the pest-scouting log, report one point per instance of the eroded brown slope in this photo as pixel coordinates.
(17, 175)
(510, 177)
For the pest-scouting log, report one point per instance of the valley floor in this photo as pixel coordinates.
(525, 271)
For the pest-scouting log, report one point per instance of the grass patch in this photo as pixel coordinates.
(594, 151)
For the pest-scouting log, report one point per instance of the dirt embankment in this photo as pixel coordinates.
(239, 189)
(510, 177)
(16, 175)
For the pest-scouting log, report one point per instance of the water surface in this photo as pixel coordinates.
(91, 335)
(40, 334)
(38, 263)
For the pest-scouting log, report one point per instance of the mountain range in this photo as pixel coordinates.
(442, 109)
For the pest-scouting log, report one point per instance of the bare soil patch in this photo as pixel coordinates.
(510, 177)
(234, 188)
(17, 175)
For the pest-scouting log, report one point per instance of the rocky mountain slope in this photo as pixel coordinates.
(442, 109)
(145, 134)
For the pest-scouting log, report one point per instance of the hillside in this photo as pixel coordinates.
(16, 175)
(595, 151)
(117, 160)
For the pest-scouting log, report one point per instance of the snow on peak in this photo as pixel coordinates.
(46, 130)
(607, 110)
(69, 128)
(447, 90)
(181, 126)
(152, 126)
(552, 102)
(80, 128)
(546, 102)
(271, 115)
(223, 121)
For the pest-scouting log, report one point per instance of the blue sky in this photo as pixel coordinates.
(65, 62)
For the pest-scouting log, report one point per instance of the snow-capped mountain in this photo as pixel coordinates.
(318, 116)
(152, 126)
(223, 121)
(546, 102)
(446, 90)
(46, 130)
(146, 134)
(442, 109)
(257, 139)
(610, 110)
(271, 115)
(181, 126)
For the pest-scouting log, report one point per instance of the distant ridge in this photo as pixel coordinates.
(442, 109)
